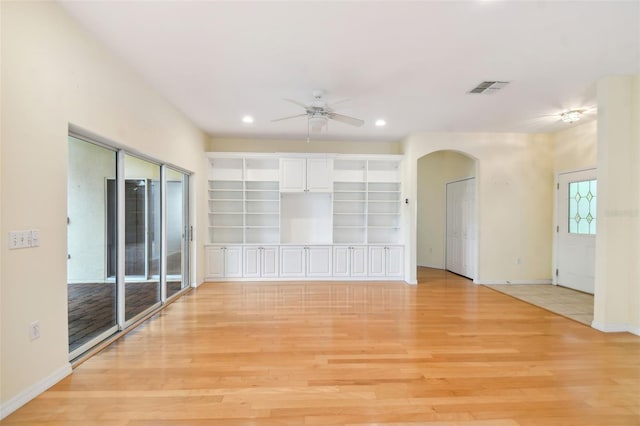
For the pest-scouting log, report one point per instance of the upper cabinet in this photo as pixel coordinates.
(306, 174)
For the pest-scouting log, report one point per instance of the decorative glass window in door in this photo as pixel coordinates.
(582, 207)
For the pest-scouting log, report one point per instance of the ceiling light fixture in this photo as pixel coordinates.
(571, 116)
(380, 123)
(247, 119)
(317, 122)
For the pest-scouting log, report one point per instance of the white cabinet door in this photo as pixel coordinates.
(233, 261)
(224, 261)
(358, 261)
(319, 175)
(306, 175)
(293, 174)
(341, 258)
(377, 260)
(269, 262)
(386, 261)
(319, 261)
(251, 262)
(350, 261)
(394, 261)
(292, 261)
(215, 262)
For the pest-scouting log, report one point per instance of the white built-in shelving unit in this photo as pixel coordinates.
(366, 203)
(262, 201)
(304, 215)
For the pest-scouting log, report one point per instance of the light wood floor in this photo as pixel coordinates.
(445, 352)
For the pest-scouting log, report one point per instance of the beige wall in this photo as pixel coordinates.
(279, 145)
(434, 171)
(514, 177)
(617, 270)
(54, 74)
(576, 147)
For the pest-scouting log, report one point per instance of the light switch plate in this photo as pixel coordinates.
(13, 240)
(35, 238)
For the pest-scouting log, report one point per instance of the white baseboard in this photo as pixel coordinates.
(491, 282)
(432, 266)
(615, 327)
(304, 279)
(33, 391)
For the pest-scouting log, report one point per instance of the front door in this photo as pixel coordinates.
(577, 200)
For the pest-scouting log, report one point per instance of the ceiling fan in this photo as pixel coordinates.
(318, 114)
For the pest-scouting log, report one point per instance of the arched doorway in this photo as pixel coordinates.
(446, 178)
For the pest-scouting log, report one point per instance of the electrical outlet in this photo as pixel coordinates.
(34, 330)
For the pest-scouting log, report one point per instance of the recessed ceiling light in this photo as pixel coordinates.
(571, 116)
(380, 123)
(247, 119)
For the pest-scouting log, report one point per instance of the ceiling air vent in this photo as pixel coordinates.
(489, 87)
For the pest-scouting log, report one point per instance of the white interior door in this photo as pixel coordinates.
(461, 228)
(577, 201)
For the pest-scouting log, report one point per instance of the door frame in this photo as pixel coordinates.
(477, 227)
(556, 223)
(189, 259)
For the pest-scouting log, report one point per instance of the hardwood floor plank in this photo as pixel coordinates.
(445, 352)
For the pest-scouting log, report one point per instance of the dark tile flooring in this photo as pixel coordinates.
(92, 308)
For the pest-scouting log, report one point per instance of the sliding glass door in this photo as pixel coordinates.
(177, 208)
(91, 290)
(142, 220)
(128, 240)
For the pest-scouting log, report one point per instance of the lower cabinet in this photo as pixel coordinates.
(386, 261)
(261, 262)
(319, 261)
(293, 261)
(224, 261)
(350, 261)
(305, 261)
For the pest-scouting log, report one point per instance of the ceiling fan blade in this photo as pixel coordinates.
(339, 101)
(296, 102)
(286, 118)
(346, 119)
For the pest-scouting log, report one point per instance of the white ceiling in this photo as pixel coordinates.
(411, 63)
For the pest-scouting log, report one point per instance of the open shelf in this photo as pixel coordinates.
(245, 205)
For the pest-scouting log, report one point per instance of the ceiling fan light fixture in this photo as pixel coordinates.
(317, 122)
(571, 116)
